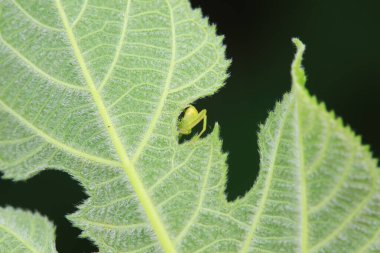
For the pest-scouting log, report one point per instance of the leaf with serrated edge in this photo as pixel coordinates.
(94, 88)
(25, 232)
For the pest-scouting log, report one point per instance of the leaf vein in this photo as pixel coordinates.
(347, 219)
(160, 106)
(27, 245)
(128, 167)
(202, 195)
(33, 19)
(57, 143)
(122, 39)
(337, 185)
(80, 15)
(38, 70)
(267, 184)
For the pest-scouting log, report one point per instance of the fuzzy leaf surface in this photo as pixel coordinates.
(94, 88)
(25, 232)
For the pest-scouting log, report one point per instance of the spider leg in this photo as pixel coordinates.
(204, 127)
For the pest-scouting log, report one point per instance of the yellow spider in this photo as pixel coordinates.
(190, 119)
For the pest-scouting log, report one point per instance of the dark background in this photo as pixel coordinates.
(342, 62)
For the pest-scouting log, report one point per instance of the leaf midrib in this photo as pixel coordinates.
(127, 165)
(298, 81)
(301, 173)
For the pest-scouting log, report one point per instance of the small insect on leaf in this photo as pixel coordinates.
(190, 119)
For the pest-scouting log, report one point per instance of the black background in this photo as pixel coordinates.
(342, 64)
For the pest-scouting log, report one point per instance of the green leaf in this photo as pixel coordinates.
(25, 232)
(318, 187)
(94, 88)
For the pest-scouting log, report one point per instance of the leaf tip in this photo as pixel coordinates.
(216, 131)
(297, 71)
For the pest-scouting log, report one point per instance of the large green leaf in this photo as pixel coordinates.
(94, 88)
(24, 232)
